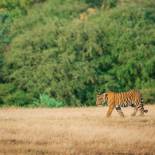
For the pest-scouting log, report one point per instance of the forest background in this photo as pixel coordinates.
(57, 53)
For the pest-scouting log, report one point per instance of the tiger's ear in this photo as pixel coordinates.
(106, 95)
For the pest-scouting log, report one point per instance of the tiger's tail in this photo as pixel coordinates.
(142, 108)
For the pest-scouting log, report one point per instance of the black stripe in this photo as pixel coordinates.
(132, 105)
(139, 106)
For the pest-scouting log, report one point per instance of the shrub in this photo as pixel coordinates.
(5, 90)
(18, 98)
(46, 101)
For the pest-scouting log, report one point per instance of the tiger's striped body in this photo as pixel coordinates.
(115, 100)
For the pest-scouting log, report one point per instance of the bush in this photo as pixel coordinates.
(18, 98)
(5, 90)
(46, 101)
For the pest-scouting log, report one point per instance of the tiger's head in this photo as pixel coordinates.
(100, 98)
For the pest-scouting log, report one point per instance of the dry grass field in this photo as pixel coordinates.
(75, 131)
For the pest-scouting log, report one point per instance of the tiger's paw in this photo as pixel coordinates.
(145, 110)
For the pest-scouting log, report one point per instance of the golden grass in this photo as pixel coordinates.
(70, 131)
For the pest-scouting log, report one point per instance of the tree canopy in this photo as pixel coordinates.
(49, 55)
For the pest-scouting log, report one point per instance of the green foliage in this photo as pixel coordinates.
(49, 50)
(18, 98)
(101, 3)
(9, 95)
(46, 101)
(93, 3)
(5, 22)
(12, 4)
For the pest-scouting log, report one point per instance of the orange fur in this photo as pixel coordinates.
(117, 100)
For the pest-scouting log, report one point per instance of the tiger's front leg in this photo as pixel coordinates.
(118, 109)
(110, 109)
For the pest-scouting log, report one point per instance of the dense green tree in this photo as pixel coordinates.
(50, 51)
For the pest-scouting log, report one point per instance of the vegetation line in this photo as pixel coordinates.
(56, 53)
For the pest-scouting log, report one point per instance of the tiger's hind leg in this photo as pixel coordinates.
(118, 109)
(140, 108)
(110, 109)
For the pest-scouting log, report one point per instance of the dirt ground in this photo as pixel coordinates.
(75, 131)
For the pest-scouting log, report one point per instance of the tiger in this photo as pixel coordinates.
(116, 100)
